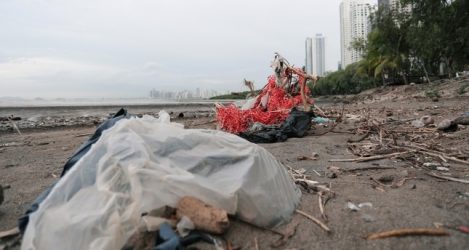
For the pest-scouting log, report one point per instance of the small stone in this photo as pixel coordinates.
(463, 120)
(386, 178)
(418, 124)
(367, 218)
(413, 186)
(331, 175)
(447, 125)
(427, 120)
(432, 165)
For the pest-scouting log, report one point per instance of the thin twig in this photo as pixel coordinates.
(82, 135)
(371, 158)
(448, 178)
(407, 232)
(9, 233)
(256, 246)
(322, 225)
(367, 168)
(321, 207)
(13, 124)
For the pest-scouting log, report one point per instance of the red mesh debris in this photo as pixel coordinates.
(234, 120)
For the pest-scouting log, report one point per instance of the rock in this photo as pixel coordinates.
(386, 178)
(462, 120)
(447, 125)
(389, 113)
(368, 218)
(331, 175)
(205, 217)
(427, 120)
(418, 124)
(432, 165)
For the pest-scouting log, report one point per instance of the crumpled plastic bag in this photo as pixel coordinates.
(141, 164)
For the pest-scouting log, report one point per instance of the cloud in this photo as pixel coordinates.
(127, 47)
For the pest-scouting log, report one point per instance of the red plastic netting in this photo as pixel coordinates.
(232, 119)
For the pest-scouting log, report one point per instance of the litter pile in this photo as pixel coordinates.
(284, 91)
(417, 145)
(122, 181)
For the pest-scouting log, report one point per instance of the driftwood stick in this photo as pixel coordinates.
(371, 158)
(321, 112)
(367, 168)
(13, 124)
(321, 207)
(407, 232)
(322, 225)
(440, 155)
(9, 233)
(83, 135)
(359, 139)
(448, 178)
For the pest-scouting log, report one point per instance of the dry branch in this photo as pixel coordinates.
(321, 207)
(367, 168)
(407, 232)
(322, 225)
(448, 178)
(371, 158)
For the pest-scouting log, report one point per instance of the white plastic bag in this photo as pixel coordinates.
(142, 164)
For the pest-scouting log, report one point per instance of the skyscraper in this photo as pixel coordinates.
(394, 4)
(354, 24)
(309, 55)
(315, 62)
(319, 55)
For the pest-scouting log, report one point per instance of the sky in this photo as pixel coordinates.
(125, 48)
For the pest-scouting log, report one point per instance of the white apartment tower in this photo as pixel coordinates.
(309, 55)
(319, 55)
(395, 4)
(315, 55)
(354, 24)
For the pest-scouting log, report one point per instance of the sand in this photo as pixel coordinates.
(34, 161)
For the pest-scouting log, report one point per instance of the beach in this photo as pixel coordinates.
(30, 162)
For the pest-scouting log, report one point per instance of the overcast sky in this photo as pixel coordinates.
(124, 48)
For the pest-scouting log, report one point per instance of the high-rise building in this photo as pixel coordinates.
(319, 55)
(309, 55)
(354, 24)
(315, 60)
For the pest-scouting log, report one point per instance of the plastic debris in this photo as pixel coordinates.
(103, 195)
(321, 120)
(352, 206)
(185, 226)
(365, 204)
(284, 90)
